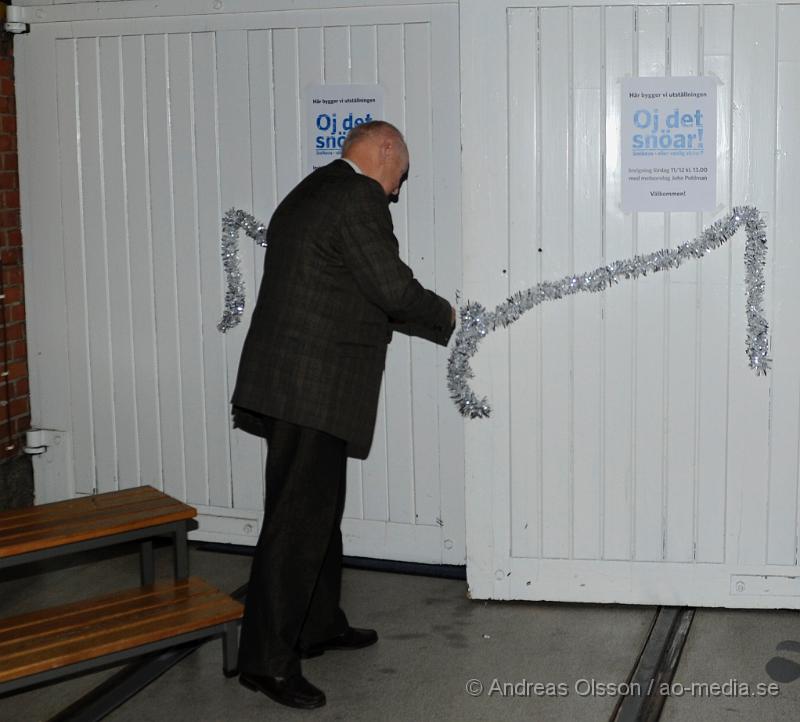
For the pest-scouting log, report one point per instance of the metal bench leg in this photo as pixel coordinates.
(230, 649)
(181, 552)
(147, 562)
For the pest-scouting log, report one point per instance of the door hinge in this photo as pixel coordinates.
(17, 19)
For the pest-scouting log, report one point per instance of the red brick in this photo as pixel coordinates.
(22, 424)
(6, 87)
(13, 294)
(16, 312)
(8, 124)
(16, 351)
(8, 180)
(19, 407)
(15, 331)
(12, 275)
(17, 370)
(10, 161)
(14, 238)
(6, 143)
(9, 219)
(22, 388)
(5, 105)
(11, 198)
(11, 257)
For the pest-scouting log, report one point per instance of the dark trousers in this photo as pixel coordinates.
(295, 581)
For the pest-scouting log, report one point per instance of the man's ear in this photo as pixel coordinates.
(386, 150)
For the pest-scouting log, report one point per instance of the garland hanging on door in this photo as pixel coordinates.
(477, 322)
(232, 221)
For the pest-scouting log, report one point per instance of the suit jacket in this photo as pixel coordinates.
(333, 284)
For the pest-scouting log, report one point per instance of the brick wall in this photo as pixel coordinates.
(14, 396)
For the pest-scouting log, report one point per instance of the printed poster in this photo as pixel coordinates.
(330, 112)
(669, 144)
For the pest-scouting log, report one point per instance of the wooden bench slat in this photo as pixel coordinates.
(80, 505)
(79, 508)
(188, 622)
(155, 507)
(183, 621)
(14, 630)
(83, 530)
(71, 634)
(99, 602)
(199, 611)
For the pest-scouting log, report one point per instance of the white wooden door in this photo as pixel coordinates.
(141, 124)
(632, 455)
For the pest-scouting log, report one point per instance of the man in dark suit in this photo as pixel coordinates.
(308, 381)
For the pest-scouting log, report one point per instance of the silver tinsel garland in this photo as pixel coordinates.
(477, 322)
(232, 221)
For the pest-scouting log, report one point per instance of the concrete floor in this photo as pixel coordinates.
(433, 641)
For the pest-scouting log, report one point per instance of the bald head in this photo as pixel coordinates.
(379, 150)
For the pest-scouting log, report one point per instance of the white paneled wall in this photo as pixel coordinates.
(153, 127)
(632, 455)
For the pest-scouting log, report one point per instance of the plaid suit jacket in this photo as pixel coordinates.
(333, 285)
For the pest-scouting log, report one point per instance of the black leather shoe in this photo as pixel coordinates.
(294, 691)
(351, 638)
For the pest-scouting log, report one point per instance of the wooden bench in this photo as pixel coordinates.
(40, 646)
(66, 527)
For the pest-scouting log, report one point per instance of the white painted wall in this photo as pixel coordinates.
(138, 132)
(632, 455)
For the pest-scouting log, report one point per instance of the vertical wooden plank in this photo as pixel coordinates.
(524, 271)
(617, 482)
(117, 241)
(484, 115)
(397, 379)
(682, 332)
(587, 339)
(446, 95)
(39, 132)
(785, 252)
(422, 258)
(287, 121)
(80, 406)
(187, 264)
(137, 196)
(364, 69)
(236, 191)
(713, 320)
(262, 143)
(557, 261)
(262, 121)
(310, 65)
(96, 263)
(209, 213)
(650, 334)
(753, 182)
(160, 165)
(336, 60)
